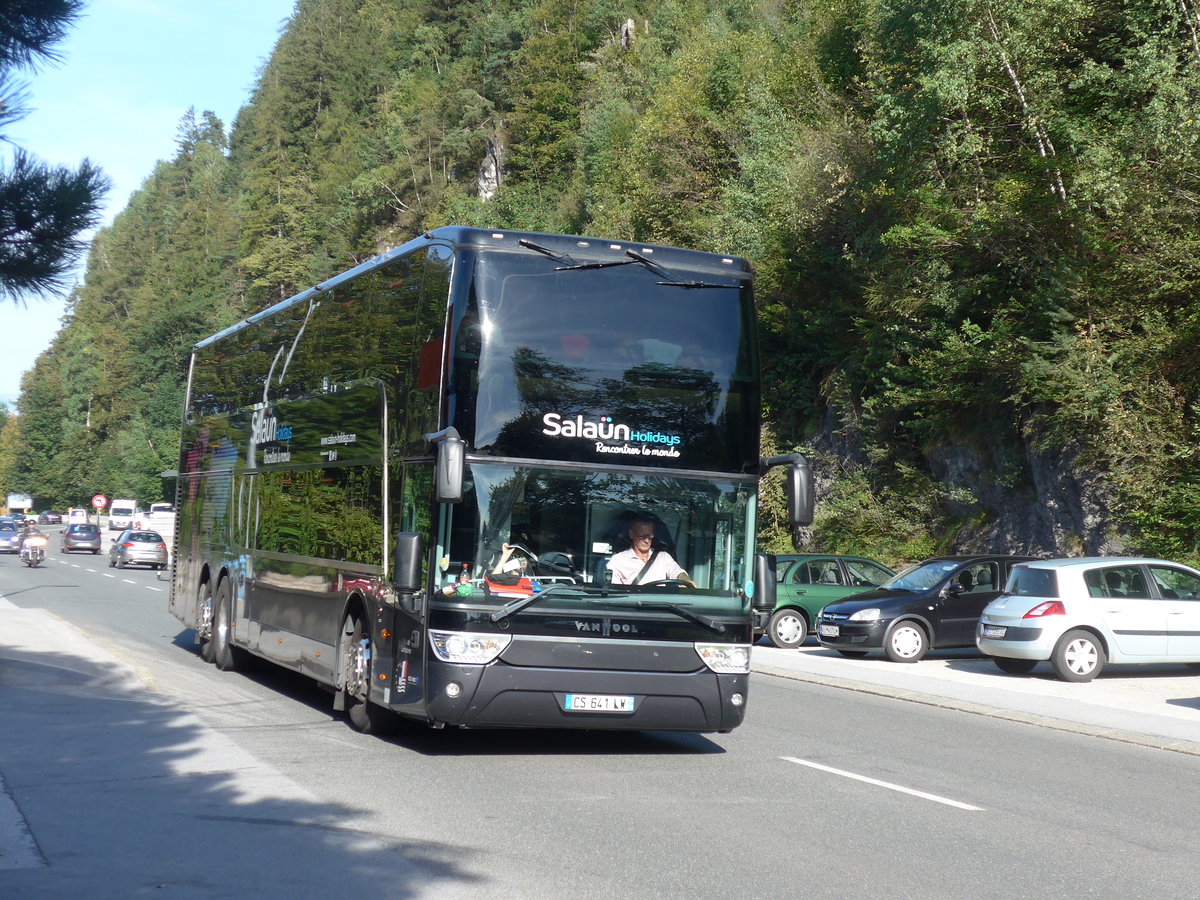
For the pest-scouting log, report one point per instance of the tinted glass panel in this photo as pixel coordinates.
(1117, 581)
(606, 365)
(1028, 582)
(329, 513)
(1176, 583)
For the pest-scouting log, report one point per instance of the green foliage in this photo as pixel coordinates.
(974, 222)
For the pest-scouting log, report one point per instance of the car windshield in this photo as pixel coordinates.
(146, 537)
(5, 526)
(922, 576)
(562, 526)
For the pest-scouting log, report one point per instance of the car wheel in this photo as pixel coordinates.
(788, 628)
(120, 563)
(364, 715)
(906, 642)
(204, 621)
(111, 562)
(96, 552)
(853, 654)
(1014, 666)
(1078, 656)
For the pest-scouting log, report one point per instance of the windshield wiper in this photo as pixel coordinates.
(682, 612)
(672, 281)
(546, 251)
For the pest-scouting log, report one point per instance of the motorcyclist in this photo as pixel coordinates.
(31, 530)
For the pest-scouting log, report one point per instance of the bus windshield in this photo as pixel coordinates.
(522, 529)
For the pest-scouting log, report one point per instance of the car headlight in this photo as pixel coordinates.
(467, 648)
(866, 615)
(727, 659)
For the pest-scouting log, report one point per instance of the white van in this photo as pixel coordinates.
(121, 514)
(77, 516)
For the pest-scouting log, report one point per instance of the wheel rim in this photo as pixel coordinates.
(204, 614)
(357, 664)
(790, 628)
(1080, 656)
(907, 641)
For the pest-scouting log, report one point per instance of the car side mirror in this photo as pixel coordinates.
(953, 589)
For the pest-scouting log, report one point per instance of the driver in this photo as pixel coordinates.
(642, 563)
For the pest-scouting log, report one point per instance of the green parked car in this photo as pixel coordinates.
(808, 582)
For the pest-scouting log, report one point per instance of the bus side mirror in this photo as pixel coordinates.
(406, 563)
(797, 489)
(451, 462)
(764, 582)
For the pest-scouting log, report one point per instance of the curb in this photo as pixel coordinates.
(1189, 748)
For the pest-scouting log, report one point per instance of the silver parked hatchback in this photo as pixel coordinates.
(133, 548)
(1082, 613)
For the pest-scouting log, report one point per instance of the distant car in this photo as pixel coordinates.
(933, 604)
(50, 517)
(80, 536)
(10, 537)
(76, 515)
(1083, 613)
(808, 582)
(138, 548)
(18, 517)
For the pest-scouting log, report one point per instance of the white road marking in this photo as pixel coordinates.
(93, 571)
(106, 575)
(883, 784)
(153, 589)
(128, 581)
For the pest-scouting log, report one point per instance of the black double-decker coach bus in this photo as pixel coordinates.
(409, 482)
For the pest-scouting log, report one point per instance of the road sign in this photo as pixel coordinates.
(99, 501)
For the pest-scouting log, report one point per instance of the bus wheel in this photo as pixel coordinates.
(364, 715)
(227, 657)
(204, 620)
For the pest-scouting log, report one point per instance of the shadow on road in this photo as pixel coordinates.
(125, 794)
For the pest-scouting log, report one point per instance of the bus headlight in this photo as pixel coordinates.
(727, 659)
(467, 648)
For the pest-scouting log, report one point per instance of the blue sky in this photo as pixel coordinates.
(130, 70)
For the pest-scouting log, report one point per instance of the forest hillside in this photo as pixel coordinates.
(975, 224)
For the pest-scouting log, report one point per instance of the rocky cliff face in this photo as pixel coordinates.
(1011, 497)
(1025, 500)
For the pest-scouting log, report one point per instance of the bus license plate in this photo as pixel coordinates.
(827, 630)
(994, 631)
(598, 703)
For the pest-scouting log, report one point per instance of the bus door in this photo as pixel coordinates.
(410, 487)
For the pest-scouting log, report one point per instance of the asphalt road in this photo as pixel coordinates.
(133, 768)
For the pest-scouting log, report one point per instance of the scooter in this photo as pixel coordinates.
(33, 551)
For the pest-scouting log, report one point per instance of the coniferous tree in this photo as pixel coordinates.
(43, 209)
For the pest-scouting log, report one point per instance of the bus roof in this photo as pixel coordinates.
(462, 237)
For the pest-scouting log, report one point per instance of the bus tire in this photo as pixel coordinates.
(227, 657)
(364, 715)
(204, 620)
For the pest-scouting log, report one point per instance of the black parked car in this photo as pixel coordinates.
(50, 517)
(936, 603)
